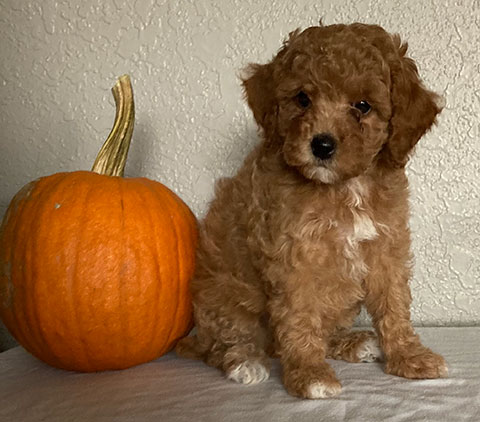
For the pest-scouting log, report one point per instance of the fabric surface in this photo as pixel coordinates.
(174, 389)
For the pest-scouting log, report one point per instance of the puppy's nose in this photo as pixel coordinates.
(323, 146)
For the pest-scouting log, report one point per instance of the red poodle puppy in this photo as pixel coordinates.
(315, 223)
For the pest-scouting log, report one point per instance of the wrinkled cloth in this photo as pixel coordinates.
(174, 389)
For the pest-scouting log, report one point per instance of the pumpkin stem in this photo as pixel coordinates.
(112, 157)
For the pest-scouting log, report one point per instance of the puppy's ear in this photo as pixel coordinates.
(260, 94)
(414, 108)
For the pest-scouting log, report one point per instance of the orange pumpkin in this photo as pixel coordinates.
(94, 268)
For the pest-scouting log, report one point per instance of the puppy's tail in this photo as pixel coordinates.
(190, 348)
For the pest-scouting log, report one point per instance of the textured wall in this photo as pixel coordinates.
(59, 59)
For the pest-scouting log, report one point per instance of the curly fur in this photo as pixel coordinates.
(293, 245)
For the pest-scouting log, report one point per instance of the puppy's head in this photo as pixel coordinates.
(339, 99)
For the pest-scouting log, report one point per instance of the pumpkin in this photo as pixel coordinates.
(94, 267)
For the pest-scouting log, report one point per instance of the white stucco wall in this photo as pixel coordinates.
(59, 59)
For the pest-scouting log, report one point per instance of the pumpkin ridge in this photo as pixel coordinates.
(160, 283)
(121, 299)
(18, 329)
(190, 235)
(74, 282)
(179, 281)
(167, 283)
(178, 272)
(187, 234)
(7, 263)
(46, 191)
(58, 194)
(69, 182)
(94, 288)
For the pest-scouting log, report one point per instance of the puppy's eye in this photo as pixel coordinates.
(363, 107)
(303, 99)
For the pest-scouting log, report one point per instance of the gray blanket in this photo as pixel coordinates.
(173, 389)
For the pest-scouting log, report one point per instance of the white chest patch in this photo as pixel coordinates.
(363, 227)
(361, 230)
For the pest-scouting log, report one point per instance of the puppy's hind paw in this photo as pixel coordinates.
(250, 372)
(369, 351)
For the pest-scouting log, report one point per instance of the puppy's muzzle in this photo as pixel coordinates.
(323, 146)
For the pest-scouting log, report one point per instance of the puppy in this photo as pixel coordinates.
(315, 223)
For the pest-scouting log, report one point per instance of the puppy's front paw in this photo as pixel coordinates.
(322, 390)
(425, 365)
(312, 383)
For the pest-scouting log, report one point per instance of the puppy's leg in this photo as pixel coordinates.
(303, 315)
(388, 301)
(354, 346)
(301, 344)
(246, 364)
(231, 339)
(239, 350)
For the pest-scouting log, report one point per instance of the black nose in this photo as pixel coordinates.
(323, 146)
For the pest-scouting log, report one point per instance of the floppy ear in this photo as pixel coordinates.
(414, 108)
(260, 95)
